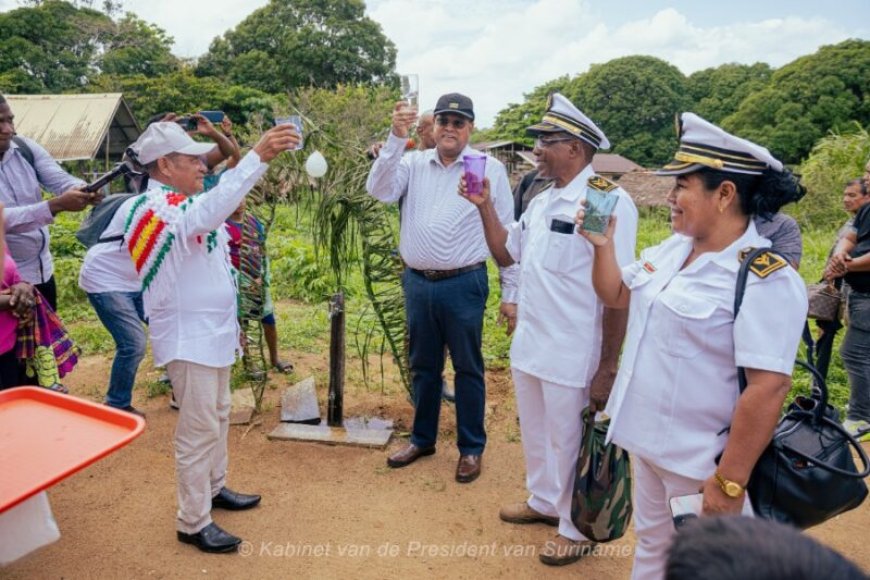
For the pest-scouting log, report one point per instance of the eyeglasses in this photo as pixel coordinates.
(457, 123)
(544, 143)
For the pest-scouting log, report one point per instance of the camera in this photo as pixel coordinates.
(187, 123)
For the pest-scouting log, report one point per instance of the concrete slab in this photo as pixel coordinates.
(352, 434)
(299, 403)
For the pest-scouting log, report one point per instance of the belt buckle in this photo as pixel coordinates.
(432, 274)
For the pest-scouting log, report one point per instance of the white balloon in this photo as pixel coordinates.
(316, 165)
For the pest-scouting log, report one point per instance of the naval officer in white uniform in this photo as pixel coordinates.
(677, 390)
(566, 345)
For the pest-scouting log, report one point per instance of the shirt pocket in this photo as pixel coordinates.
(560, 255)
(689, 324)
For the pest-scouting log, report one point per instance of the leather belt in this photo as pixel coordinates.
(435, 275)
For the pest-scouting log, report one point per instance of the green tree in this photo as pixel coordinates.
(51, 47)
(296, 43)
(634, 100)
(183, 92)
(806, 99)
(834, 161)
(56, 47)
(717, 92)
(137, 47)
(511, 122)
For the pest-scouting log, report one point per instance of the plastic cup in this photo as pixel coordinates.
(475, 170)
(411, 90)
(296, 121)
(599, 208)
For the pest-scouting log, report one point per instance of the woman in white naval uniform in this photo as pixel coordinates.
(677, 392)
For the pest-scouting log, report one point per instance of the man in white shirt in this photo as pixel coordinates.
(445, 281)
(178, 245)
(25, 169)
(566, 345)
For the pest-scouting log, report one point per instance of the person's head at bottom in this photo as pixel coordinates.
(741, 548)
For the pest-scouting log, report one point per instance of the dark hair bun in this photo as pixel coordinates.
(775, 189)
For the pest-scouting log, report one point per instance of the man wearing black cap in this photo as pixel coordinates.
(442, 243)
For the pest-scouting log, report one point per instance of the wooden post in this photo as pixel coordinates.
(334, 417)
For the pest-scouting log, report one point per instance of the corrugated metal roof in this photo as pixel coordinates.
(74, 127)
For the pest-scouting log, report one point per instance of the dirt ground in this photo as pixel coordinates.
(327, 511)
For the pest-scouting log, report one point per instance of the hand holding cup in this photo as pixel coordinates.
(404, 118)
(477, 199)
(594, 238)
(275, 140)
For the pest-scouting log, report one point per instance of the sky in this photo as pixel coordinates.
(496, 50)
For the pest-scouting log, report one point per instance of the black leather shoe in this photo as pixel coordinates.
(409, 455)
(230, 500)
(211, 539)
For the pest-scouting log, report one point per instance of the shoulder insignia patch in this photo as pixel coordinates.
(601, 184)
(764, 264)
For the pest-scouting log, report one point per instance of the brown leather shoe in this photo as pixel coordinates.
(409, 455)
(522, 513)
(468, 468)
(561, 551)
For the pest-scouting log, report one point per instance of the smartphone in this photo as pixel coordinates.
(214, 116)
(685, 508)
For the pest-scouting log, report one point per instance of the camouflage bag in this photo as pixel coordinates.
(601, 503)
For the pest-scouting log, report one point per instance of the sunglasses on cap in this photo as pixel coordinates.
(456, 122)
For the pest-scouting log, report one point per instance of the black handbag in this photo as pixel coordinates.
(806, 475)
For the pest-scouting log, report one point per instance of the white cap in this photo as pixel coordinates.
(161, 139)
(563, 116)
(703, 144)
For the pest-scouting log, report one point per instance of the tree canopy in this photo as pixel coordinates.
(289, 44)
(56, 47)
(717, 92)
(633, 100)
(806, 99)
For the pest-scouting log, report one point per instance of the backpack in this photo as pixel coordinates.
(93, 226)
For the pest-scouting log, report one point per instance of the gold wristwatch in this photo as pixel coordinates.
(729, 488)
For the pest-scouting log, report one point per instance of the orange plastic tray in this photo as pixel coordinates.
(46, 437)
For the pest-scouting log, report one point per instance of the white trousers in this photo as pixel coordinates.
(653, 522)
(203, 395)
(551, 425)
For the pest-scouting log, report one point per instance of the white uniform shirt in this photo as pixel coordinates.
(107, 266)
(558, 334)
(440, 230)
(677, 384)
(198, 321)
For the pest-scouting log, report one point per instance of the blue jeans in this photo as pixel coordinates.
(447, 312)
(123, 316)
(855, 352)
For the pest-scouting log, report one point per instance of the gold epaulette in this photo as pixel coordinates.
(601, 184)
(764, 264)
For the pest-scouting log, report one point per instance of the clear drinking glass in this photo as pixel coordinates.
(411, 90)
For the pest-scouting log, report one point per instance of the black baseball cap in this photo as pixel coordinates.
(455, 103)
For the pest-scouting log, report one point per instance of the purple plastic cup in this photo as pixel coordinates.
(475, 170)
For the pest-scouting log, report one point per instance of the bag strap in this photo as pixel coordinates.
(27, 153)
(849, 438)
(740, 290)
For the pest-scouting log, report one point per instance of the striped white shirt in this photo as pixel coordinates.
(440, 230)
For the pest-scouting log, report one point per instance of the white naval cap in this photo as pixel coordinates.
(703, 144)
(563, 116)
